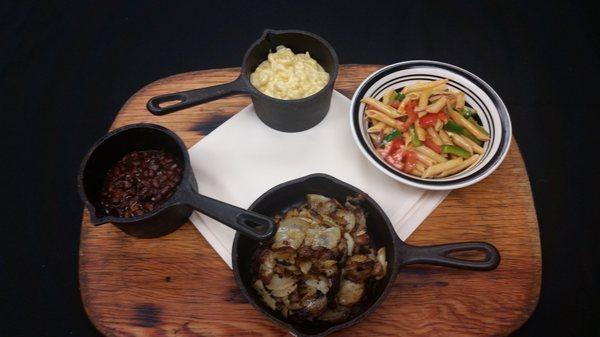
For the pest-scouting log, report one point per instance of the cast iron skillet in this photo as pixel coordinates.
(283, 115)
(399, 254)
(176, 209)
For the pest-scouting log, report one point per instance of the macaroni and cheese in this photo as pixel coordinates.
(286, 75)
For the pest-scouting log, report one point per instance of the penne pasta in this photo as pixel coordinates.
(406, 137)
(460, 100)
(458, 118)
(445, 138)
(380, 116)
(434, 136)
(377, 127)
(424, 159)
(379, 106)
(476, 148)
(388, 97)
(412, 96)
(438, 125)
(463, 166)
(437, 106)
(430, 153)
(423, 100)
(424, 86)
(440, 89)
(458, 140)
(441, 167)
(420, 131)
(417, 171)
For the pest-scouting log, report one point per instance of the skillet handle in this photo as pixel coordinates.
(439, 255)
(251, 224)
(186, 99)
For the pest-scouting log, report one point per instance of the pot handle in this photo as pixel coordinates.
(186, 99)
(253, 225)
(439, 255)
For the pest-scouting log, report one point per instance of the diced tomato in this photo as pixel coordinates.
(432, 145)
(428, 120)
(395, 153)
(397, 164)
(409, 108)
(395, 145)
(410, 161)
(396, 159)
(398, 156)
(395, 104)
(443, 116)
(390, 148)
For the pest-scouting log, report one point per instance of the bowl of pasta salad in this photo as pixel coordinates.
(430, 124)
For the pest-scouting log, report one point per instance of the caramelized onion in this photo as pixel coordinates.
(319, 262)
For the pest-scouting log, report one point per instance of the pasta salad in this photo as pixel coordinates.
(425, 129)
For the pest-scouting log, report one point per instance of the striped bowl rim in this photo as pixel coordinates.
(478, 94)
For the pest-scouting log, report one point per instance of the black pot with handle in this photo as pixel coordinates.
(382, 234)
(283, 115)
(174, 211)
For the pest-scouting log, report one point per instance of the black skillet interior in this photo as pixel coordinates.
(279, 199)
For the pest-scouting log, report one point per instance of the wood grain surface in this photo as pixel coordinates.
(177, 285)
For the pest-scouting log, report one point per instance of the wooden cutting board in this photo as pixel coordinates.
(178, 286)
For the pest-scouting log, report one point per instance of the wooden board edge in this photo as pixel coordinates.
(537, 251)
(84, 291)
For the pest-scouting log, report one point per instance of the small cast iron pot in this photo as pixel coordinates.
(283, 115)
(399, 254)
(174, 211)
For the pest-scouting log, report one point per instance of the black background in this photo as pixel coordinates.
(66, 69)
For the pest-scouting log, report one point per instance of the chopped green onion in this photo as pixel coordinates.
(391, 136)
(455, 150)
(453, 127)
(478, 126)
(399, 97)
(413, 136)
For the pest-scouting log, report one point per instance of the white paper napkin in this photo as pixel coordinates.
(243, 158)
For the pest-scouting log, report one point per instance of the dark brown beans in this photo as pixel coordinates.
(139, 183)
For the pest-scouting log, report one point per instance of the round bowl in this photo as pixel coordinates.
(478, 95)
